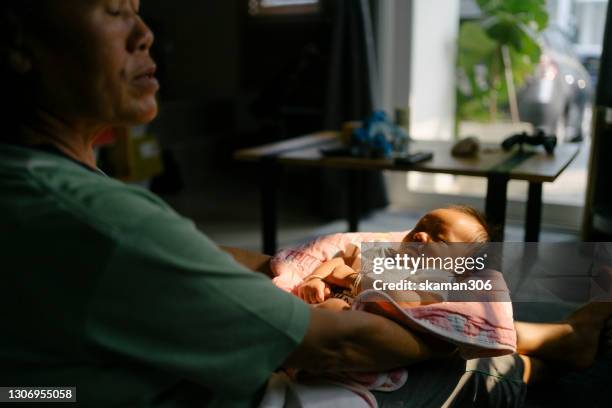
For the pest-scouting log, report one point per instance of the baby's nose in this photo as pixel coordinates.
(422, 237)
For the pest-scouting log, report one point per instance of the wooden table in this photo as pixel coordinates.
(497, 166)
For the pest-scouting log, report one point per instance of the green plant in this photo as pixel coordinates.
(497, 52)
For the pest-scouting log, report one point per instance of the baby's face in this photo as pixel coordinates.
(445, 225)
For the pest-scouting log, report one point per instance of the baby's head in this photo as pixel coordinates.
(456, 223)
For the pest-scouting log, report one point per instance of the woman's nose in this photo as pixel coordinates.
(142, 37)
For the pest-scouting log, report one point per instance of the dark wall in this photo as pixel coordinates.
(197, 45)
(230, 80)
(598, 209)
(212, 52)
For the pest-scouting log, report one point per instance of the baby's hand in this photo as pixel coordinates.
(314, 291)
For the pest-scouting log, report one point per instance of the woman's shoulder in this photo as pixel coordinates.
(114, 206)
(56, 186)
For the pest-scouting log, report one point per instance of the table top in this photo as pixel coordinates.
(533, 165)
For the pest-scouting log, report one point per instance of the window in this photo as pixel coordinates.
(283, 7)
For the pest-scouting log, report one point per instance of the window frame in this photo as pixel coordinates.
(256, 10)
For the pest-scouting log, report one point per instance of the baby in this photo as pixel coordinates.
(452, 224)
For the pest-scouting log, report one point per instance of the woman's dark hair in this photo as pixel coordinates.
(13, 16)
(485, 234)
(16, 88)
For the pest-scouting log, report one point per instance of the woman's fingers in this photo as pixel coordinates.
(334, 304)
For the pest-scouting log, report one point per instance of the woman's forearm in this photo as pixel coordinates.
(375, 343)
(359, 341)
(254, 261)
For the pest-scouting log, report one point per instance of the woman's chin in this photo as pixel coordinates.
(150, 115)
(144, 113)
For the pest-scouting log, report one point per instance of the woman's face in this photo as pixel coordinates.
(91, 62)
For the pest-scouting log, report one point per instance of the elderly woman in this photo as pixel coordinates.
(104, 287)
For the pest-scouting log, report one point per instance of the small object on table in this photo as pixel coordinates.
(466, 147)
(413, 158)
(540, 138)
(379, 137)
(342, 151)
(348, 129)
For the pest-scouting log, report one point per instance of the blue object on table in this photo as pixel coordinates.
(380, 137)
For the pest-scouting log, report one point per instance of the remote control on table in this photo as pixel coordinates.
(413, 158)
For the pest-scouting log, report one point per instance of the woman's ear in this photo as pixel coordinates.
(19, 61)
(17, 51)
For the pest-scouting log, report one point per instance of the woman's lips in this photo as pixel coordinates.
(146, 81)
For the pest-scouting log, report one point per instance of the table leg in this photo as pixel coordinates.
(353, 199)
(268, 184)
(495, 206)
(533, 216)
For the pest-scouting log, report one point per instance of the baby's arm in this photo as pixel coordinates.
(326, 269)
(343, 276)
(335, 271)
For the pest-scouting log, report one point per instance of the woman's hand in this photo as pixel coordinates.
(314, 291)
(334, 304)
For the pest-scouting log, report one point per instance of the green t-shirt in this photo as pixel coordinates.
(106, 288)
